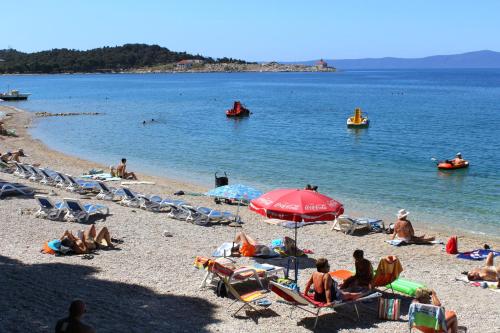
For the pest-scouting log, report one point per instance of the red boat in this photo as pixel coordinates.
(448, 165)
(238, 110)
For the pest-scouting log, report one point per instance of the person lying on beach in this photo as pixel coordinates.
(248, 247)
(73, 323)
(403, 230)
(121, 171)
(426, 296)
(362, 279)
(486, 273)
(87, 241)
(325, 288)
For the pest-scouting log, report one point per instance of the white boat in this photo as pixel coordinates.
(13, 95)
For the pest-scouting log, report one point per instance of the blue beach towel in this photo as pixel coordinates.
(478, 254)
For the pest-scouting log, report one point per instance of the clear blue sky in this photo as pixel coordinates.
(256, 29)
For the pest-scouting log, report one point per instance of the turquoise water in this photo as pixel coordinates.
(297, 133)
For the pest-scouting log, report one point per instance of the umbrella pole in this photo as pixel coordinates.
(296, 259)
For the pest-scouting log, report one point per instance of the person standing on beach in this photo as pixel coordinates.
(121, 171)
(73, 323)
(403, 230)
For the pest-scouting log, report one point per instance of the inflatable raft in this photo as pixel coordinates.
(450, 166)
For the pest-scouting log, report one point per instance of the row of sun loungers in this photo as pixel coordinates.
(68, 209)
(176, 209)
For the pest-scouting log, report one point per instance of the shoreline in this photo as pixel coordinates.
(156, 275)
(201, 186)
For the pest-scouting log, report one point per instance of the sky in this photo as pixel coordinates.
(257, 30)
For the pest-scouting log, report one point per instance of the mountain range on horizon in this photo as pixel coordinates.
(476, 59)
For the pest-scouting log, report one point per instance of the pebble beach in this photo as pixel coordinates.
(149, 284)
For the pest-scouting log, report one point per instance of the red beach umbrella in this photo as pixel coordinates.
(297, 206)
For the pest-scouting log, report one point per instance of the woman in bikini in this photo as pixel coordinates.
(325, 288)
(87, 241)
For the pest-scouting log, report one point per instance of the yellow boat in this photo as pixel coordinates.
(358, 121)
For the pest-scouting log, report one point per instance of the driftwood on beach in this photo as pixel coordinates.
(64, 114)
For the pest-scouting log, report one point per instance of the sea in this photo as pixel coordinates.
(296, 134)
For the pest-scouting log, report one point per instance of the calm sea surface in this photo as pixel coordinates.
(296, 135)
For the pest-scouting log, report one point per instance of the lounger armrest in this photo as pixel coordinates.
(243, 270)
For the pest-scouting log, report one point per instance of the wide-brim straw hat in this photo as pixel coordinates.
(402, 213)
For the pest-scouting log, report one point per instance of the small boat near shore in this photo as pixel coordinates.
(358, 120)
(13, 95)
(447, 165)
(238, 110)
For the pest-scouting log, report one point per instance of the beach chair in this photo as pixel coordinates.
(81, 213)
(388, 270)
(47, 179)
(225, 270)
(47, 209)
(129, 198)
(349, 225)
(105, 192)
(79, 186)
(35, 175)
(169, 204)
(426, 317)
(21, 171)
(303, 302)
(8, 188)
(152, 203)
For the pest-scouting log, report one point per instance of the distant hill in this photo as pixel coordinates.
(104, 59)
(478, 59)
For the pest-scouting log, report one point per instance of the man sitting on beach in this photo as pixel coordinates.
(364, 274)
(403, 230)
(87, 241)
(325, 288)
(121, 171)
(73, 323)
(487, 273)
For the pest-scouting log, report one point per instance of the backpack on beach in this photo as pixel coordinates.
(452, 245)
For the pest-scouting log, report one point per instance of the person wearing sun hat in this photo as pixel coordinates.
(404, 231)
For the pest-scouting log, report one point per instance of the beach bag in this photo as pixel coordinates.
(452, 245)
(389, 308)
(46, 249)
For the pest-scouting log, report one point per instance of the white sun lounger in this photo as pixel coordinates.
(81, 213)
(8, 188)
(47, 209)
(349, 225)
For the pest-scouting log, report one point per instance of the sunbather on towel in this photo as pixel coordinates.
(403, 230)
(487, 273)
(325, 288)
(426, 296)
(248, 247)
(121, 171)
(89, 241)
(364, 274)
